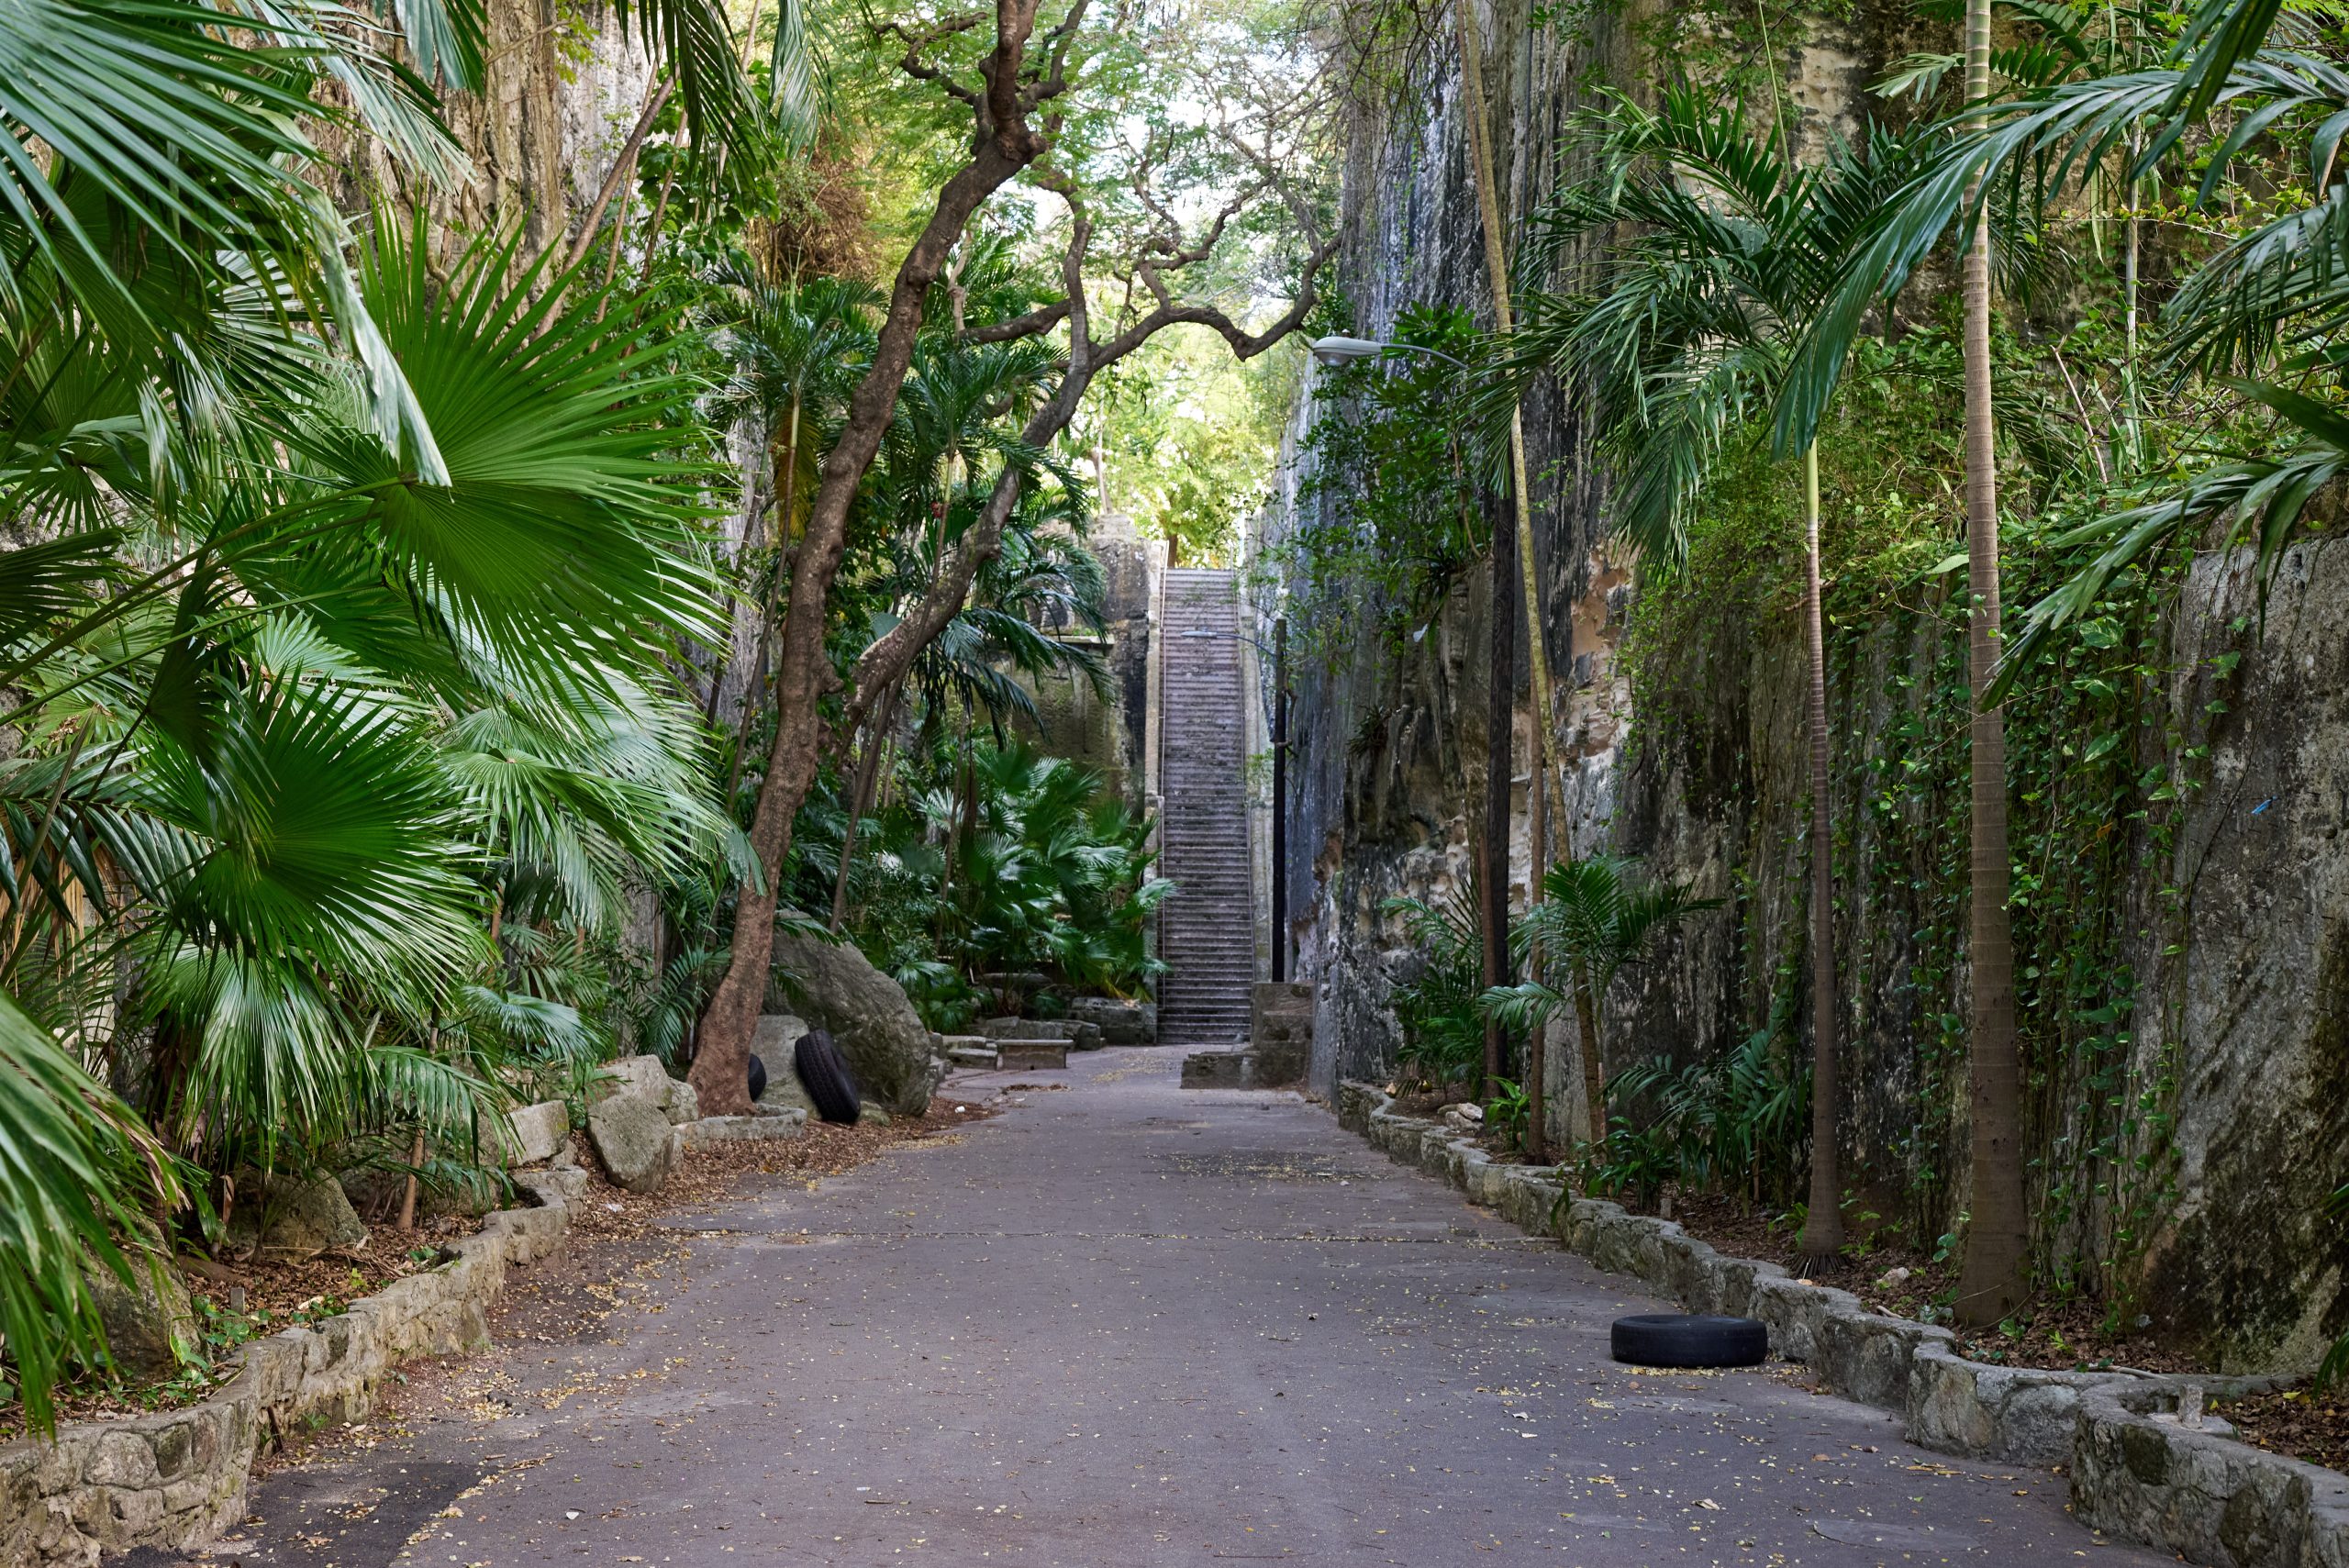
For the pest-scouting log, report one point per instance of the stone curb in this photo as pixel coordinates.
(2208, 1498)
(177, 1479)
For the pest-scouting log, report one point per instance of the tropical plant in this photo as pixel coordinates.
(1443, 1034)
(1730, 1123)
(1727, 250)
(1597, 917)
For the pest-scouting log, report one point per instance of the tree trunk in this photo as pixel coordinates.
(805, 675)
(1500, 726)
(1991, 1280)
(861, 801)
(1593, 1070)
(1472, 82)
(1822, 1230)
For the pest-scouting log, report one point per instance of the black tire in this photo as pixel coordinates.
(758, 1078)
(1676, 1339)
(824, 1075)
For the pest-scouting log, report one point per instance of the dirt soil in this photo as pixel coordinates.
(2296, 1423)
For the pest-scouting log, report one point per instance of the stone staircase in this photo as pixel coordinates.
(1207, 932)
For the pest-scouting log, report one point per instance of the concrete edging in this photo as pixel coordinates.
(2201, 1495)
(177, 1479)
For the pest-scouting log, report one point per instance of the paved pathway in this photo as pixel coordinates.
(1123, 1325)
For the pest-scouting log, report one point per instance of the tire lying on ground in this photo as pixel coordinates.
(824, 1073)
(758, 1078)
(1680, 1340)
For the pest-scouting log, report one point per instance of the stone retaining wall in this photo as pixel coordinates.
(177, 1479)
(2206, 1496)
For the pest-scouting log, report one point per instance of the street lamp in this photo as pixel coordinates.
(1332, 352)
(1279, 651)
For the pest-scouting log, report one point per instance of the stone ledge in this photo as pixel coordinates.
(2205, 1496)
(759, 1128)
(177, 1479)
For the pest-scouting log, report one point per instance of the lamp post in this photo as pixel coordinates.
(1279, 651)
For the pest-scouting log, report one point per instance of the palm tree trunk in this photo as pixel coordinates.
(860, 800)
(1991, 1280)
(1822, 1230)
(1500, 726)
(1472, 82)
(1594, 1072)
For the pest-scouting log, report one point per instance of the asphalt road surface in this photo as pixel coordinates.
(1124, 1325)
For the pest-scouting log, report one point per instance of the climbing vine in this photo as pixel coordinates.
(2102, 766)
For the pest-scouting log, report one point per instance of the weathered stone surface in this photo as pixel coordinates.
(1078, 1034)
(683, 1104)
(538, 1132)
(743, 1128)
(176, 1480)
(643, 1076)
(834, 987)
(632, 1137)
(1120, 1022)
(150, 1323)
(294, 1219)
(1031, 1055)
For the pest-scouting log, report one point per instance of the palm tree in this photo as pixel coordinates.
(1727, 252)
(1596, 917)
(279, 510)
(1991, 1280)
(2237, 303)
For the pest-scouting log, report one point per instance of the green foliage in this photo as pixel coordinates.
(1444, 1035)
(1388, 514)
(1736, 1123)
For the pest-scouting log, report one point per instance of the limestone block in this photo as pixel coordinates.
(683, 1104)
(295, 1218)
(643, 1076)
(538, 1132)
(633, 1138)
(836, 988)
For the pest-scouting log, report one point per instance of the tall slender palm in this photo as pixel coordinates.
(2058, 136)
(1727, 250)
(1991, 1280)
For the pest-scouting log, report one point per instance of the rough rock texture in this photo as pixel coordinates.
(176, 1480)
(834, 987)
(634, 1141)
(643, 1076)
(773, 1125)
(537, 1133)
(294, 1218)
(150, 1325)
(683, 1103)
(1120, 1022)
(2231, 1028)
(1079, 1034)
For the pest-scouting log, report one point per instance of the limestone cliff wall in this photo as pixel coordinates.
(2186, 1157)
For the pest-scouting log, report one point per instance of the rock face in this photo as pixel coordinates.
(150, 1325)
(1080, 1035)
(641, 1075)
(537, 1132)
(633, 1139)
(294, 1219)
(1120, 1023)
(834, 987)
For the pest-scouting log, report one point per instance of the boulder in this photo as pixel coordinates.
(538, 1132)
(633, 1139)
(774, 1043)
(834, 987)
(294, 1219)
(641, 1075)
(1120, 1022)
(683, 1104)
(150, 1325)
